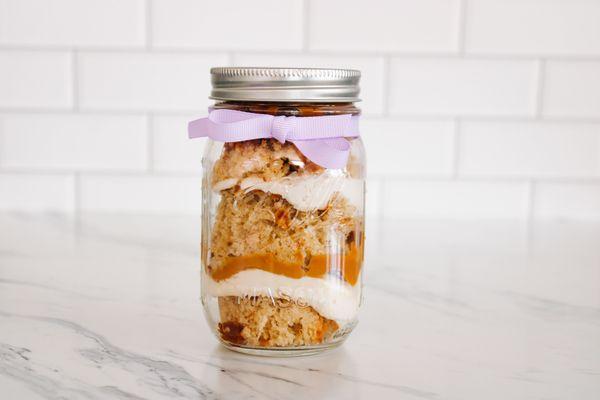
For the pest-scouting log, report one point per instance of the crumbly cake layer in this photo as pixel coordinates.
(258, 230)
(266, 227)
(262, 158)
(267, 322)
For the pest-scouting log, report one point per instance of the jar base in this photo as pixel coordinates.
(292, 351)
(283, 351)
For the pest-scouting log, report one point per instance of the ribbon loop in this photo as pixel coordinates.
(282, 127)
(321, 139)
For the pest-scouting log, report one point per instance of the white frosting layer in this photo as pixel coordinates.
(332, 298)
(305, 193)
(224, 184)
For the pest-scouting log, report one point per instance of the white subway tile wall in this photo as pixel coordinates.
(572, 89)
(70, 142)
(172, 151)
(216, 25)
(36, 79)
(144, 81)
(472, 108)
(420, 148)
(37, 192)
(140, 193)
(462, 87)
(533, 27)
(529, 149)
(572, 200)
(68, 23)
(422, 26)
(455, 200)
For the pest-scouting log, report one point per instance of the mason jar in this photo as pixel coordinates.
(283, 208)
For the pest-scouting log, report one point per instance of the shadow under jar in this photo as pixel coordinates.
(282, 236)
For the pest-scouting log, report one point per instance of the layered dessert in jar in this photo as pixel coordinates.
(286, 246)
(283, 208)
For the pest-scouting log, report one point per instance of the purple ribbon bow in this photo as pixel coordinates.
(321, 139)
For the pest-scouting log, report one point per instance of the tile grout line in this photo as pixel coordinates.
(149, 142)
(386, 86)
(399, 117)
(75, 79)
(77, 196)
(529, 221)
(1, 141)
(539, 94)
(148, 25)
(531, 204)
(583, 180)
(305, 25)
(396, 178)
(452, 54)
(462, 27)
(456, 148)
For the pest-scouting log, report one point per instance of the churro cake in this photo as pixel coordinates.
(286, 246)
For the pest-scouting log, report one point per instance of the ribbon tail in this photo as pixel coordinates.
(198, 128)
(224, 126)
(327, 153)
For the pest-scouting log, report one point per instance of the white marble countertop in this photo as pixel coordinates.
(108, 308)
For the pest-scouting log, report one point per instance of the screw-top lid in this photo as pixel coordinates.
(285, 84)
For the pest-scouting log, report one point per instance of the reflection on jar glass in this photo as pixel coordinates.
(282, 234)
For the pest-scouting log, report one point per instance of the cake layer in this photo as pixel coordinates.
(265, 158)
(330, 297)
(252, 225)
(266, 322)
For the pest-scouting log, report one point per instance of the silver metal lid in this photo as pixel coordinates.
(285, 84)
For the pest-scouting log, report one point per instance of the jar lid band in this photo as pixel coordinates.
(315, 85)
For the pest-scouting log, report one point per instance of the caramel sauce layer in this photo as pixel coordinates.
(347, 266)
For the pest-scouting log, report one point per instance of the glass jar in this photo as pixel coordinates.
(282, 235)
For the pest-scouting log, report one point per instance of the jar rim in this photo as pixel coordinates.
(281, 84)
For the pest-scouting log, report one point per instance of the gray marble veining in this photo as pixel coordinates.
(108, 308)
